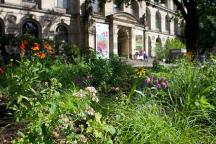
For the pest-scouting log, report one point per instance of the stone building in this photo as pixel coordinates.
(109, 29)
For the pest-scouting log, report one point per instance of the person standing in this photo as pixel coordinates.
(145, 57)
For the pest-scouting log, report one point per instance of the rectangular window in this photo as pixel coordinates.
(96, 6)
(32, 1)
(62, 4)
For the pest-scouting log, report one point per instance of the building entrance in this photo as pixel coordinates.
(123, 43)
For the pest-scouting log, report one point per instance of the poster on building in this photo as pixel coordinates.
(102, 40)
(139, 40)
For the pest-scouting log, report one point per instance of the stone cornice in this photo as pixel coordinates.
(50, 12)
(158, 32)
(153, 4)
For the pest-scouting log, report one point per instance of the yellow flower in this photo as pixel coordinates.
(190, 55)
(140, 71)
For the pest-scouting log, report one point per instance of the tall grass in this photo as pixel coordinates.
(147, 122)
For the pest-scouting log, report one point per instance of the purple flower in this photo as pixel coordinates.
(165, 85)
(148, 81)
(158, 86)
(78, 81)
(157, 82)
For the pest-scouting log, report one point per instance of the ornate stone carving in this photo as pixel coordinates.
(11, 19)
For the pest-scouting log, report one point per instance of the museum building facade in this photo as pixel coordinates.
(109, 29)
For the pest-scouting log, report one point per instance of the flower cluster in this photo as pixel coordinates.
(158, 83)
(48, 47)
(88, 91)
(92, 93)
(140, 72)
(90, 111)
(38, 49)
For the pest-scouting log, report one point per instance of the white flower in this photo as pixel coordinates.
(91, 90)
(95, 98)
(92, 93)
(83, 139)
(90, 111)
(80, 93)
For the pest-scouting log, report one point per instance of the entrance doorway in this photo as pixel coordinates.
(123, 43)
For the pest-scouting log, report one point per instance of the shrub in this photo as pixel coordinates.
(163, 52)
(106, 72)
(49, 114)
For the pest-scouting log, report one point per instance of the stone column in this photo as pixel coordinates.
(133, 42)
(172, 27)
(163, 21)
(92, 36)
(128, 31)
(146, 46)
(115, 39)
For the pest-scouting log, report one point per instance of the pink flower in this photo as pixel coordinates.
(157, 82)
(158, 86)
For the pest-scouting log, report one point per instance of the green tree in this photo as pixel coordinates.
(164, 52)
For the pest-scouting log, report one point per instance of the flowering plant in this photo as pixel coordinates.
(140, 72)
(159, 83)
(34, 48)
(1, 71)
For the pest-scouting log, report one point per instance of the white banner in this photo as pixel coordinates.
(102, 40)
(139, 40)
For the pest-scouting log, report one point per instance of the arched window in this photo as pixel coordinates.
(61, 33)
(158, 42)
(148, 18)
(31, 28)
(176, 30)
(135, 9)
(1, 27)
(158, 21)
(167, 24)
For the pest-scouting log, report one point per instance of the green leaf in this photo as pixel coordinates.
(98, 117)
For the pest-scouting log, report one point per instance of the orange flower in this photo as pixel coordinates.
(48, 47)
(22, 47)
(41, 55)
(25, 42)
(36, 47)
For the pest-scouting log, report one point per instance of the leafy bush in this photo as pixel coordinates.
(192, 86)
(163, 52)
(49, 114)
(106, 72)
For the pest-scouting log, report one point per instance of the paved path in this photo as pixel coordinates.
(139, 63)
(149, 63)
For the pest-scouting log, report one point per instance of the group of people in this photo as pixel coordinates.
(141, 55)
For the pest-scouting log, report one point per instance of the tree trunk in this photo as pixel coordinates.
(191, 30)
